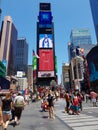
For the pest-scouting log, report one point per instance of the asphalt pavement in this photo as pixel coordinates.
(33, 119)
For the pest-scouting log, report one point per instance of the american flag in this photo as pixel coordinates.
(35, 54)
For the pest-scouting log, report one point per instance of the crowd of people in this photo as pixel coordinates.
(73, 100)
(12, 104)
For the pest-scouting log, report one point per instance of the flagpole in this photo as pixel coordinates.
(32, 73)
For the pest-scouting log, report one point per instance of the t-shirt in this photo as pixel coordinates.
(6, 104)
(75, 101)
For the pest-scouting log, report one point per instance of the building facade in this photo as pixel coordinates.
(79, 46)
(46, 70)
(94, 10)
(65, 76)
(81, 38)
(21, 56)
(92, 63)
(8, 44)
(30, 77)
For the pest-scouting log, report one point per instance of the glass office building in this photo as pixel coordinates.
(79, 37)
(94, 10)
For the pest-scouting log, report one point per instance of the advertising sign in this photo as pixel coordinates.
(45, 17)
(46, 60)
(4, 83)
(45, 74)
(45, 41)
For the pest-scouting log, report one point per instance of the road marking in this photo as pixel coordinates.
(78, 122)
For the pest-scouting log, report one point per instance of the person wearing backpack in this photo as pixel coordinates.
(19, 104)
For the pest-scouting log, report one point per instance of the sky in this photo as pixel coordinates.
(67, 15)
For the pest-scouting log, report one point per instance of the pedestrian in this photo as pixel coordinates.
(13, 109)
(6, 110)
(1, 115)
(93, 96)
(76, 104)
(80, 98)
(67, 98)
(51, 99)
(26, 96)
(19, 104)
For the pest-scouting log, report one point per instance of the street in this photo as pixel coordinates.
(33, 119)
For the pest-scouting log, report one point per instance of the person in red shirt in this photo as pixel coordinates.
(76, 104)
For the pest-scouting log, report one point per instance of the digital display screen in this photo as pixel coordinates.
(45, 17)
(45, 30)
(45, 74)
(45, 6)
(46, 60)
(45, 41)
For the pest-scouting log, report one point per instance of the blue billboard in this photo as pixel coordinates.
(45, 17)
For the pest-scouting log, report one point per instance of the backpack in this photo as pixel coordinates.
(18, 103)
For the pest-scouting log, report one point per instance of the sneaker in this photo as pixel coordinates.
(14, 124)
(53, 117)
(49, 117)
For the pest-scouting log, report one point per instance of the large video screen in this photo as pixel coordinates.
(46, 60)
(45, 17)
(45, 41)
(45, 74)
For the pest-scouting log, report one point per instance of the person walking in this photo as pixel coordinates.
(50, 100)
(19, 104)
(67, 98)
(1, 115)
(80, 99)
(93, 96)
(6, 110)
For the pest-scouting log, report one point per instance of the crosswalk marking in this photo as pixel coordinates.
(78, 122)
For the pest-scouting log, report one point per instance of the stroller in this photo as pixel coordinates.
(44, 105)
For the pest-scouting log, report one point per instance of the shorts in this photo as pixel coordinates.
(76, 108)
(94, 100)
(7, 112)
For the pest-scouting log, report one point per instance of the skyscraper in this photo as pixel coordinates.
(79, 37)
(46, 71)
(8, 41)
(21, 57)
(94, 10)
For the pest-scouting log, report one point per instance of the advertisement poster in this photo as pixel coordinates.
(46, 60)
(45, 41)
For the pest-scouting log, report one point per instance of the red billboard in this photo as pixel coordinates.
(46, 60)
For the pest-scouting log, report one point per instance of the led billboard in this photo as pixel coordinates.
(45, 41)
(46, 60)
(45, 17)
(45, 74)
(45, 6)
(44, 30)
